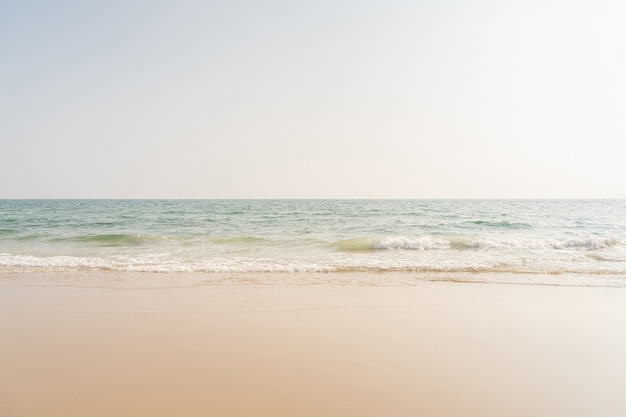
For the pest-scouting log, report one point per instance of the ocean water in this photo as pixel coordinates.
(557, 242)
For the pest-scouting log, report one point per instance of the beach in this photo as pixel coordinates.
(312, 209)
(428, 349)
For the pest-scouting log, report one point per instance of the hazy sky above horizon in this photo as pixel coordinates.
(325, 99)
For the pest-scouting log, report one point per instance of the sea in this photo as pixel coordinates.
(364, 242)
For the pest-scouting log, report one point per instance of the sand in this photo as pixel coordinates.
(433, 349)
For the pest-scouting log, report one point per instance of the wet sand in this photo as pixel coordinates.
(433, 349)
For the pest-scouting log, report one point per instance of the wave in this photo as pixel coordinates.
(129, 239)
(118, 239)
(166, 263)
(367, 244)
(372, 244)
(506, 224)
(355, 245)
(536, 244)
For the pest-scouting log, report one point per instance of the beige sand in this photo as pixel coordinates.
(434, 349)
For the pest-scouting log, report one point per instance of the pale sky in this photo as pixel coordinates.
(315, 99)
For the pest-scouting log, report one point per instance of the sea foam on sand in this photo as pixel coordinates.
(432, 349)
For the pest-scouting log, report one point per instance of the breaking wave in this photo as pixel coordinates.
(120, 239)
(469, 262)
(474, 243)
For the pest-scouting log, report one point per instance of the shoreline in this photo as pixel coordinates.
(112, 279)
(432, 349)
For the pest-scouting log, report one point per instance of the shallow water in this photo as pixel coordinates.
(529, 241)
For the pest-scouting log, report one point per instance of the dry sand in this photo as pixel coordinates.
(434, 349)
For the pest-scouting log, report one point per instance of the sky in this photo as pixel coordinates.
(323, 99)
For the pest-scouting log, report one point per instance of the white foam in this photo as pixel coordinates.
(419, 243)
(540, 244)
(473, 243)
(408, 254)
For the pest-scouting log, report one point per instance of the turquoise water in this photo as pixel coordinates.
(535, 241)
